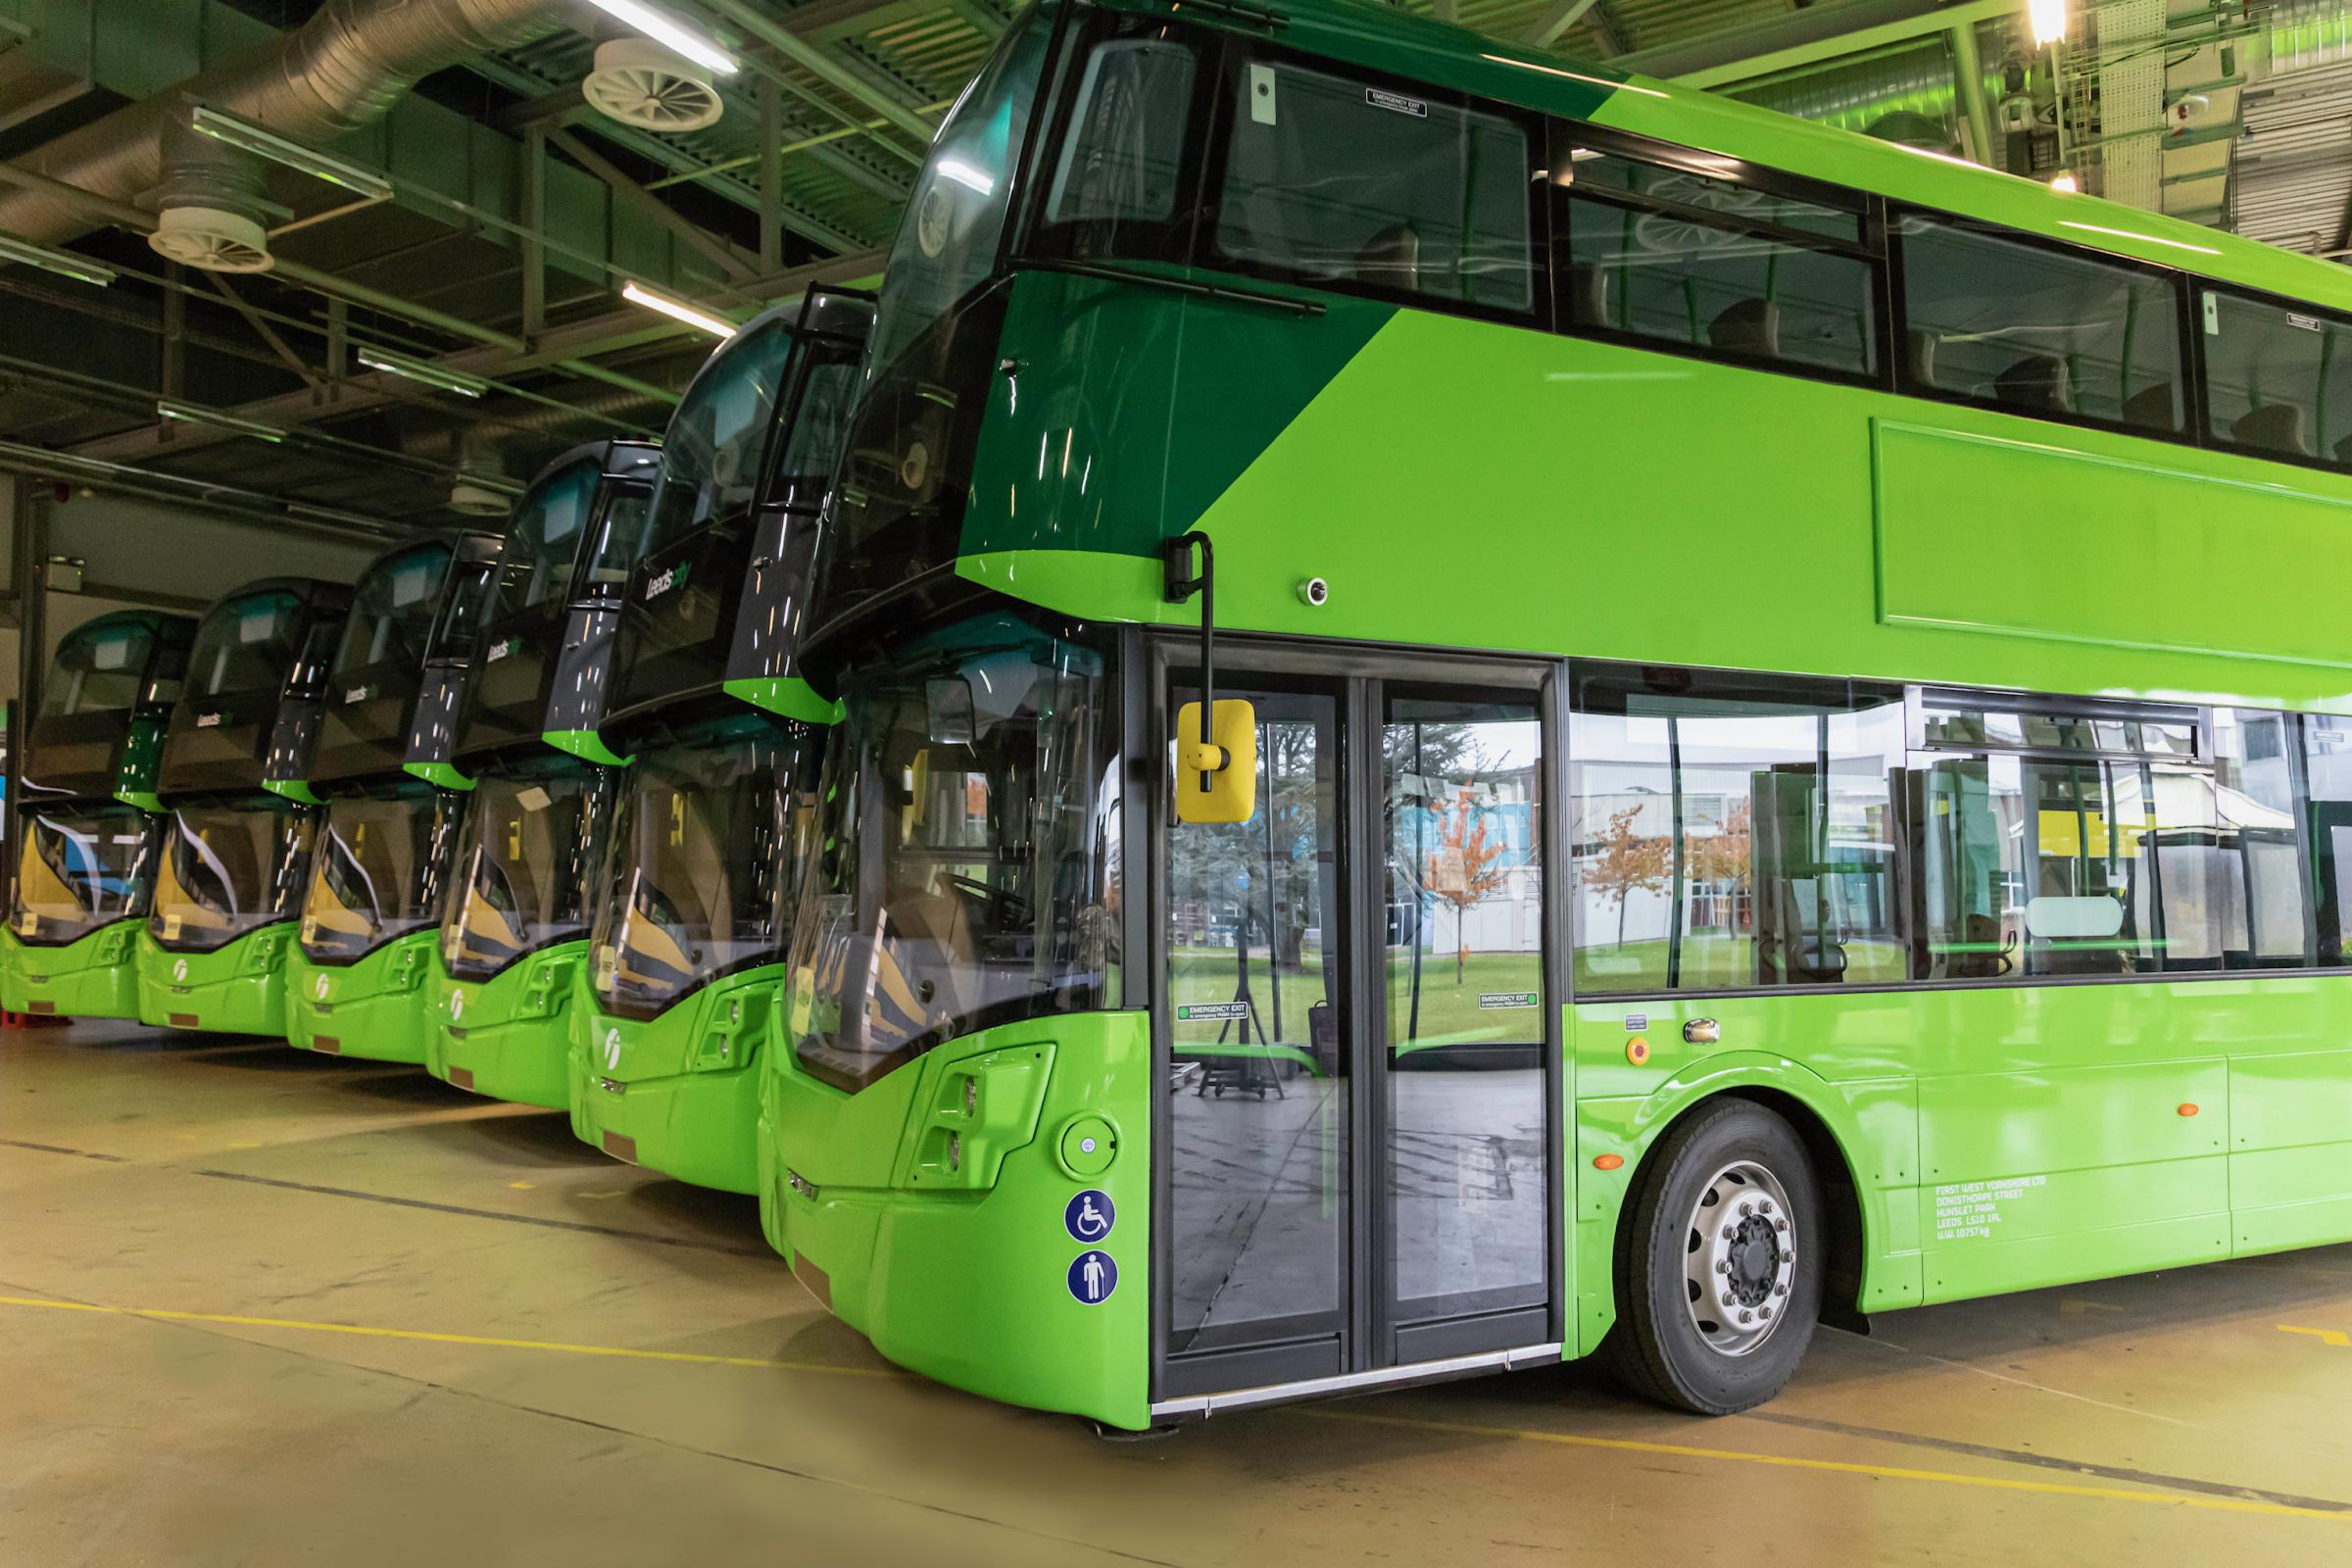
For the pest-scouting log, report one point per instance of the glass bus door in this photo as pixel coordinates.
(1357, 1172)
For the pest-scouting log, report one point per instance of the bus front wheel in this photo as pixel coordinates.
(1719, 1263)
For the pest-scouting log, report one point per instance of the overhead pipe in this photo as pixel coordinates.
(342, 70)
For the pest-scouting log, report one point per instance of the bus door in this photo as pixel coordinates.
(1357, 1025)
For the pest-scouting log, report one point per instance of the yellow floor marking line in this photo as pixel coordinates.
(368, 1330)
(2335, 1337)
(1884, 1472)
(523, 1187)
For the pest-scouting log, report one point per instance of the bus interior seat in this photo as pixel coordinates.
(1392, 258)
(1747, 327)
(1919, 348)
(2152, 408)
(1587, 291)
(2274, 427)
(2039, 382)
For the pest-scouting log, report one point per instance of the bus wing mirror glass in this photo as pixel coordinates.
(1217, 782)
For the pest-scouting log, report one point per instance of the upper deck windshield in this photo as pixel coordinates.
(391, 614)
(545, 542)
(98, 669)
(706, 862)
(229, 869)
(245, 644)
(523, 869)
(969, 861)
(81, 869)
(376, 873)
(711, 452)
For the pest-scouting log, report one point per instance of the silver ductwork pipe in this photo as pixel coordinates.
(340, 70)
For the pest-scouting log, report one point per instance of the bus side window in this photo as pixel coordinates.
(1720, 267)
(2328, 769)
(2040, 332)
(2276, 381)
(1334, 181)
(1117, 175)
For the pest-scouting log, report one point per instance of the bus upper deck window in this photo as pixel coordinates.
(1334, 181)
(1124, 150)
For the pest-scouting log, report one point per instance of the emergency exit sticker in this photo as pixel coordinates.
(1212, 1009)
(1396, 103)
(1487, 999)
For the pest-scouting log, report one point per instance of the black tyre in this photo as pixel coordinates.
(1719, 1263)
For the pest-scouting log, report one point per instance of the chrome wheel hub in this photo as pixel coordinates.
(1740, 1258)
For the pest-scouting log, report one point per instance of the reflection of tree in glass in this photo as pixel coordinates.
(1628, 862)
(1724, 856)
(1461, 869)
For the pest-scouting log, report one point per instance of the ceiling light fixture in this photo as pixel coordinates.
(433, 375)
(2064, 183)
(668, 30)
(2047, 18)
(230, 131)
(65, 264)
(638, 294)
(189, 413)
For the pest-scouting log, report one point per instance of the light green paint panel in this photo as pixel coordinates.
(2290, 1099)
(93, 977)
(372, 1008)
(293, 789)
(683, 1086)
(2130, 551)
(962, 1275)
(787, 694)
(585, 743)
(238, 988)
(506, 1037)
(441, 775)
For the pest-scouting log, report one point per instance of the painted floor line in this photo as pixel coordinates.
(1848, 1467)
(496, 1341)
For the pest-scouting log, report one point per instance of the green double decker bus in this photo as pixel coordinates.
(392, 801)
(1774, 744)
(236, 849)
(88, 832)
(513, 921)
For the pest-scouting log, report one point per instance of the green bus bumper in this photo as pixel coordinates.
(238, 989)
(504, 1037)
(91, 977)
(933, 1200)
(372, 1008)
(677, 1093)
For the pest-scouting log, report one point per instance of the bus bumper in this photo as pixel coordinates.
(373, 1007)
(504, 1037)
(913, 1251)
(677, 1093)
(237, 989)
(93, 977)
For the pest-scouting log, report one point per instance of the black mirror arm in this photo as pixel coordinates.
(1178, 584)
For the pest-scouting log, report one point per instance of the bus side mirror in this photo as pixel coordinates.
(1216, 780)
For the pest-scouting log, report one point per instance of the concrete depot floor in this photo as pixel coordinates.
(352, 1317)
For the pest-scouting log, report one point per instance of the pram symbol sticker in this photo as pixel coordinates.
(1093, 1277)
(1089, 1217)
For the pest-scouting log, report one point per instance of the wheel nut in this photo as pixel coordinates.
(1747, 1316)
(1722, 1267)
(1728, 1232)
(1779, 1290)
(1764, 1312)
(1780, 1224)
(1747, 1210)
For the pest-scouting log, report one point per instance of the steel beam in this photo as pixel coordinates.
(1808, 38)
(635, 196)
(814, 59)
(1557, 20)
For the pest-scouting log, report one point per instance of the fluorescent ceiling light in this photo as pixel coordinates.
(2047, 18)
(636, 294)
(2144, 239)
(2065, 182)
(965, 174)
(464, 386)
(192, 414)
(670, 31)
(65, 264)
(230, 131)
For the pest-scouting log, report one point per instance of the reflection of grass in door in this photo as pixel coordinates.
(1713, 961)
(1449, 1010)
(1211, 975)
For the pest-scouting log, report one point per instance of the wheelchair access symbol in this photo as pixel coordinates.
(1089, 1217)
(1093, 1277)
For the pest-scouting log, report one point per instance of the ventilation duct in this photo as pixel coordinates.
(640, 82)
(343, 69)
(1913, 130)
(209, 214)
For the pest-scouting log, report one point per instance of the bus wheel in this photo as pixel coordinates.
(1719, 1261)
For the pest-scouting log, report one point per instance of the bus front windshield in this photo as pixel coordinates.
(98, 669)
(711, 452)
(230, 869)
(375, 875)
(244, 645)
(966, 867)
(523, 869)
(79, 869)
(706, 864)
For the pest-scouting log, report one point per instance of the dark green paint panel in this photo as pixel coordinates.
(1077, 439)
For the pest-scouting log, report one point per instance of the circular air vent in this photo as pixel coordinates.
(477, 501)
(211, 239)
(640, 83)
